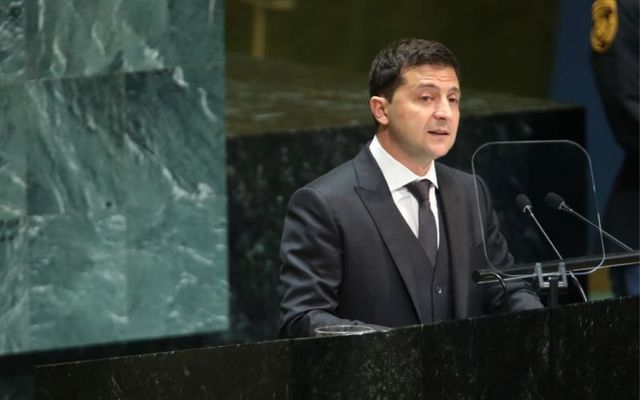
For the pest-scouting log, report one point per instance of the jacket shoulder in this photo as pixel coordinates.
(341, 178)
(450, 173)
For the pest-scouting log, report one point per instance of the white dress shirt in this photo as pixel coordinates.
(397, 177)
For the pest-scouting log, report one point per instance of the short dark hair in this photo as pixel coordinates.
(386, 69)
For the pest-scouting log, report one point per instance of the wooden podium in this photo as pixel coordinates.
(580, 351)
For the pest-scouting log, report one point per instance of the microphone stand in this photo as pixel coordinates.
(555, 280)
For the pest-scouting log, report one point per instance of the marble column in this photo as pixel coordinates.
(112, 171)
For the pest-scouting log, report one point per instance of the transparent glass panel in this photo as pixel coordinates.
(531, 185)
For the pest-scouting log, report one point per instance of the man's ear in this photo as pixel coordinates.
(378, 106)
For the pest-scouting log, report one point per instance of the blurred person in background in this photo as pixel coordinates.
(614, 44)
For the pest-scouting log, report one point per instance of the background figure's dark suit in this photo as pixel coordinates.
(349, 256)
(615, 65)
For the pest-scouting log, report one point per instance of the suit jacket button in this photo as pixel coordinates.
(439, 289)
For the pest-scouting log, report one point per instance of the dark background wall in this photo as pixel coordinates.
(503, 46)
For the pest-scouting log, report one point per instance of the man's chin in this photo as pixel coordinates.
(434, 154)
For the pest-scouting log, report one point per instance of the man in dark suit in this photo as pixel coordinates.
(390, 238)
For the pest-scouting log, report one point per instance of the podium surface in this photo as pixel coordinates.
(585, 351)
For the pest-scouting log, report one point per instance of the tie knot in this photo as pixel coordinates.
(420, 190)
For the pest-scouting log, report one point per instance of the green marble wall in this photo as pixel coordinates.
(112, 171)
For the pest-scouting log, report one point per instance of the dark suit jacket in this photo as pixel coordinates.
(349, 257)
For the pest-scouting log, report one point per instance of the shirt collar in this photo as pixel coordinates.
(396, 174)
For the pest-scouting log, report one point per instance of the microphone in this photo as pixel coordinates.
(524, 204)
(556, 202)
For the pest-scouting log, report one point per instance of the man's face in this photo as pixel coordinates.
(420, 123)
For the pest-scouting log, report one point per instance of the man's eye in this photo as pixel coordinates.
(454, 100)
(426, 98)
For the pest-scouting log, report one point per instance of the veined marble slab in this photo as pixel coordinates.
(113, 209)
(176, 201)
(13, 67)
(112, 171)
(14, 283)
(84, 38)
(75, 156)
(113, 200)
(77, 279)
(14, 286)
(13, 157)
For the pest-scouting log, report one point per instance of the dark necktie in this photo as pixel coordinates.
(427, 234)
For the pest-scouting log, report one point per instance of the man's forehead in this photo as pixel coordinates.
(427, 75)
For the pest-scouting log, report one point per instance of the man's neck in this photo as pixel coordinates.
(418, 167)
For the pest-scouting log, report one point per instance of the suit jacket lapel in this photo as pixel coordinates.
(451, 201)
(374, 193)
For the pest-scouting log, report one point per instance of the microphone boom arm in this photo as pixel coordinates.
(568, 209)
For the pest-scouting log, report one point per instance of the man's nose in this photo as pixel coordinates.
(443, 110)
